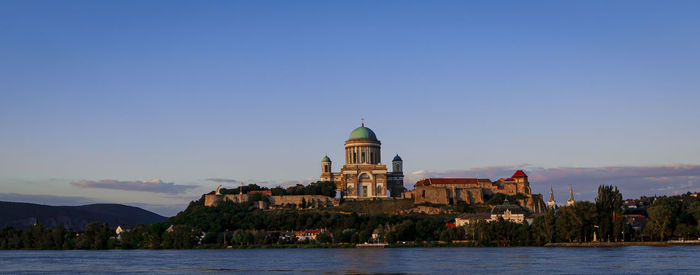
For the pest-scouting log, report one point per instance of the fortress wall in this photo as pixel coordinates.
(429, 194)
(508, 189)
(214, 200)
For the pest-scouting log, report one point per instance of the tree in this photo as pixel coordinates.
(587, 215)
(324, 238)
(568, 224)
(662, 216)
(609, 206)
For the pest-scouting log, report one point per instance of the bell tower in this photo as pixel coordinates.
(397, 164)
(326, 169)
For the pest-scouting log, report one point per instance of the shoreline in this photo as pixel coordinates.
(421, 245)
(620, 244)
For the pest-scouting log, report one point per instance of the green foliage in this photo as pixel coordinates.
(242, 225)
(499, 198)
(609, 208)
(377, 207)
(662, 218)
(324, 188)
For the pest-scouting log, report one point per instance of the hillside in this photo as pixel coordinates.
(21, 215)
(376, 207)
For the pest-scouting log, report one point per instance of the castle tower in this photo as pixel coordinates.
(326, 169)
(397, 164)
(522, 184)
(570, 201)
(395, 177)
(551, 203)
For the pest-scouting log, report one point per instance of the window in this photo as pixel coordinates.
(354, 157)
(363, 157)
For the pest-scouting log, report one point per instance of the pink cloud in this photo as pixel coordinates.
(633, 181)
(155, 186)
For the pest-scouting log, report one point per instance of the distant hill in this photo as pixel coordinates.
(21, 215)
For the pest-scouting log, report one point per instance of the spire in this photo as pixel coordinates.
(363, 122)
(570, 201)
(551, 203)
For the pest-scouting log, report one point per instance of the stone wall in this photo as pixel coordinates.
(431, 194)
(442, 194)
(214, 200)
(447, 195)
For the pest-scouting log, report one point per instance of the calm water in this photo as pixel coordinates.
(398, 260)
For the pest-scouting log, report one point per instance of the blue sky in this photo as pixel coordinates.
(171, 93)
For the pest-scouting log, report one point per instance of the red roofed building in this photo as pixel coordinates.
(519, 174)
(474, 190)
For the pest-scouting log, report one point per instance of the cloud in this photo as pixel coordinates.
(220, 180)
(155, 186)
(633, 181)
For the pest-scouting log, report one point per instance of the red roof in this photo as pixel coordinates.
(450, 225)
(264, 192)
(519, 174)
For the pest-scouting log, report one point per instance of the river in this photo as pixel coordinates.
(630, 259)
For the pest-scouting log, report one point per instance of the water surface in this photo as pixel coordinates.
(633, 259)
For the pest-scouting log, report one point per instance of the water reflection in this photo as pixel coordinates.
(359, 261)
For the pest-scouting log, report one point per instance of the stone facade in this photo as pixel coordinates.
(363, 176)
(473, 190)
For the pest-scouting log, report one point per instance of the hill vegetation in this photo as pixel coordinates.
(21, 215)
(243, 225)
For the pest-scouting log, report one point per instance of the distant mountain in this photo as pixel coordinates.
(21, 215)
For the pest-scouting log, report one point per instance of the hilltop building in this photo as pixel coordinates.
(364, 176)
(506, 211)
(474, 190)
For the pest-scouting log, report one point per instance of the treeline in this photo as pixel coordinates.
(95, 236)
(316, 188)
(673, 217)
(232, 224)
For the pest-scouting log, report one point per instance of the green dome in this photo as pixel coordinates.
(362, 133)
(326, 159)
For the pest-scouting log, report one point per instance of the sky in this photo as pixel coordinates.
(153, 103)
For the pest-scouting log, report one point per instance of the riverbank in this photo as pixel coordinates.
(618, 244)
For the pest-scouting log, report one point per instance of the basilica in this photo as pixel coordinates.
(364, 176)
